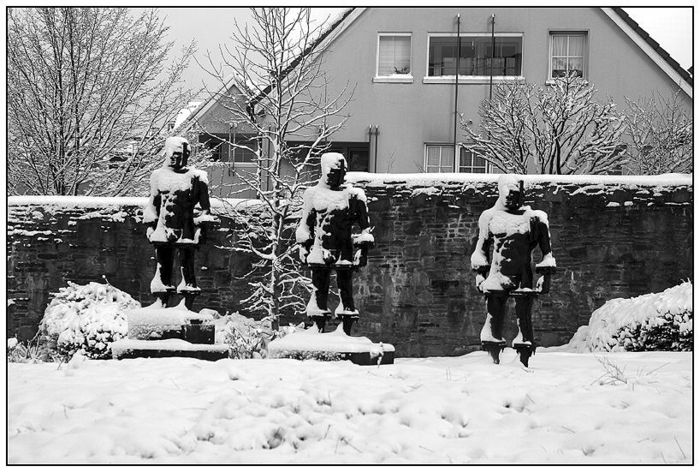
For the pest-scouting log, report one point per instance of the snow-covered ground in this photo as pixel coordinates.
(567, 408)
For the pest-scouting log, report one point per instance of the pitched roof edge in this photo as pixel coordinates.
(652, 48)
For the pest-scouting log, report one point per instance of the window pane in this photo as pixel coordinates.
(576, 45)
(433, 156)
(559, 45)
(394, 55)
(576, 66)
(448, 158)
(558, 66)
(479, 161)
(475, 56)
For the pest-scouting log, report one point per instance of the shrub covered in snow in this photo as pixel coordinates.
(653, 322)
(247, 338)
(86, 319)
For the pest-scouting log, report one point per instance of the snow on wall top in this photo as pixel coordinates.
(436, 179)
(99, 202)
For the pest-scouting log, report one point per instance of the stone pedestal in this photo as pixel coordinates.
(155, 331)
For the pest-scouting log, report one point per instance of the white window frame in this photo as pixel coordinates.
(442, 145)
(465, 146)
(577, 32)
(402, 78)
(472, 79)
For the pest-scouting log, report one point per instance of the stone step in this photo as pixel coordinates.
(134, 348)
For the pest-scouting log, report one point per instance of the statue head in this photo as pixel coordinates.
(333, 169)
(177, 151)
(511, 192)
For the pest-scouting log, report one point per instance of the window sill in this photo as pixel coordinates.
(446, 79)
(554, 81)
(394, 79)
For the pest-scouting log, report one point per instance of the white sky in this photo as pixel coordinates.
(671, 27)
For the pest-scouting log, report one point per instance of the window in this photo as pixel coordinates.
(567, 54)
(469, 161)
(222, 151)
(475, 55)
(394, 55)
(439, 158)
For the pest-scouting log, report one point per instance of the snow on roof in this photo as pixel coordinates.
(436, 179)
(184, 113)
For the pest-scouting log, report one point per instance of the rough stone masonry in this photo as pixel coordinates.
(612, 237)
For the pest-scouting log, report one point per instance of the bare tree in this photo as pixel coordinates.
(558, 129)
(278, 97)
(661, 135)
(90, 96)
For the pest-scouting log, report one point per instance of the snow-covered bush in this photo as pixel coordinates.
(247, 338)
(86, 319)
(653, 322)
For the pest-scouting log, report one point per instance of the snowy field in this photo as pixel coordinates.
(568, 408)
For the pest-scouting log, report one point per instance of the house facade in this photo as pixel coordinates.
(407, 104)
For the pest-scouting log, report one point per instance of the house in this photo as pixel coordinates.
(401, 63)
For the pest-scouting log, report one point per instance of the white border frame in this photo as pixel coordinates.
(399, 78)
(472, 79)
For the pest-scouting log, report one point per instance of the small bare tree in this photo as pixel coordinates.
(90, 96)
(558, 129)
(661, 135)
(278, 94)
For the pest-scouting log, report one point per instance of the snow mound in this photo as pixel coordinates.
(656, 321)
(334, 342)
(86, 319)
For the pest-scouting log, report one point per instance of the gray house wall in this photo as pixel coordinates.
(412, 114)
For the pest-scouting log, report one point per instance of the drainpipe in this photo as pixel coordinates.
(459, 53)
(376, 146)
(493, 53)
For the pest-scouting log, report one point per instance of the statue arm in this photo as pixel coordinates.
(479, 258)
(544, 241)
(305, 231)
(365, 239)
(151, 211)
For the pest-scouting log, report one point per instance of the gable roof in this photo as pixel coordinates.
(630, 27)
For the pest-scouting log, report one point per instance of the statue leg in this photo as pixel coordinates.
(346, 310)
(524, 342)
(188, 285)
(162, 283)
(492, 331)
(317, 308)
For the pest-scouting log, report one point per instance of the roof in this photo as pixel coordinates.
(648, 45)
(685, 75)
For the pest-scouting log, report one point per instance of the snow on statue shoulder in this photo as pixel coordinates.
(511, 230)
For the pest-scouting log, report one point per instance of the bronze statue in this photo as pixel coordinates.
(514, 230)
(327, 243)
(176, 190)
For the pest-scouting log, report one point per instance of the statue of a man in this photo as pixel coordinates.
(326, 241)
(515, 230)
(176, 190)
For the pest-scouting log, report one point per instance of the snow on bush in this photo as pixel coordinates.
(247, 338)
(653, 322)
(86, 319)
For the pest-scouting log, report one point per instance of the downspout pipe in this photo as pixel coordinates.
(459, 53)
(493, 53)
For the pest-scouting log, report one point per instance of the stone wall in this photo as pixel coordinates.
(612, 237)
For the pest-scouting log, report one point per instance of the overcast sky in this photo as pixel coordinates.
(671, 27)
